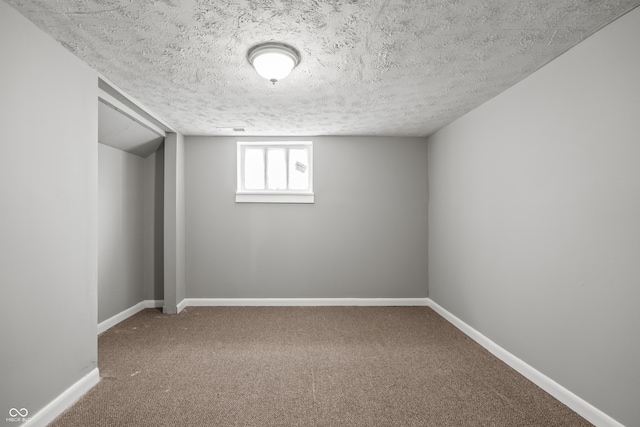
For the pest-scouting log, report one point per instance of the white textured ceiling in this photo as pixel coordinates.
(371, 67)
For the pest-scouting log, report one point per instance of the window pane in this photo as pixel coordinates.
(298, 169)
(254, 169)
(276, 169)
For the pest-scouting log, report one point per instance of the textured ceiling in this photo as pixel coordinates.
(371, 67)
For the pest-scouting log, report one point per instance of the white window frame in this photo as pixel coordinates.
(273, 196)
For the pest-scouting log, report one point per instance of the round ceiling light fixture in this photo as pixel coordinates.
(273, 61)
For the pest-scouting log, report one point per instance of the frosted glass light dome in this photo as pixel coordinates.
(273, 61)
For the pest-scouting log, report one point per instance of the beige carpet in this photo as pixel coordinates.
(305, 366)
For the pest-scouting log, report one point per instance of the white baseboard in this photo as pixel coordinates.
(299, 302)
(65, 400)
(112, 321)
(178, 307)
(576, 403)
(149, 303)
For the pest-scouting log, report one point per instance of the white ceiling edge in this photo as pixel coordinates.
(112, 94)
(118, 130)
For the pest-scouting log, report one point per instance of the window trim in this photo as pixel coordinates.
(273, 196)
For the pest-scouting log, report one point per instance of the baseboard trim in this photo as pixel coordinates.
(114, 320)
(125, 314)
(181, 305)
(306, 302)
(58, 405)
(576, 403)
(150, 303)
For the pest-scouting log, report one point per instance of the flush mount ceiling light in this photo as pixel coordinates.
(273, 61)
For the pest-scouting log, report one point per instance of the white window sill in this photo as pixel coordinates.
(274, 198)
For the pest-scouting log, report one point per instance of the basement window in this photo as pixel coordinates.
(275, 172)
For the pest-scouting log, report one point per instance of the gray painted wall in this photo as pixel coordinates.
(534, 207)
(48, 206)
(121, 203)
(365, 237)
(174, 223)
(153, 253)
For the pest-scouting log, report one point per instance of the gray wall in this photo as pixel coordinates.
(153, 253)
(121, 203)
(131, 230)
(48, 206)
(365, 237)
(174, 223)
(534, 208)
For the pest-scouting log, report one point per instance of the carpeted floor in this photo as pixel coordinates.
(305, 366)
